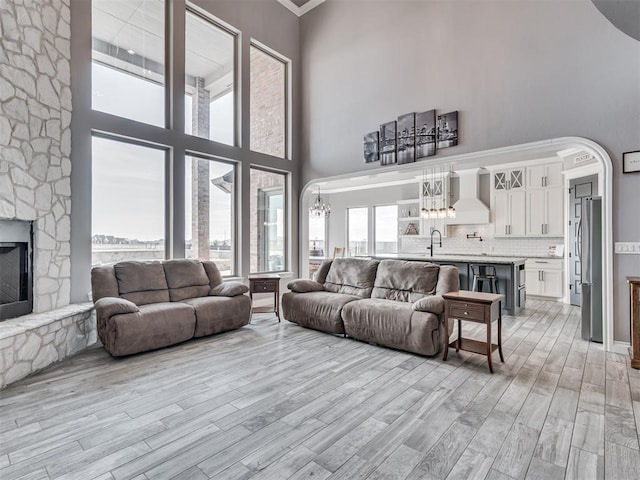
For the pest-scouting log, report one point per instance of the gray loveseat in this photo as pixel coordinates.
(142, 306)
(394, 303)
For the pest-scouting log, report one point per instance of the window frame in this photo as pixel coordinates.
(286, 203)
(253, 43)
(368, 225)
(375, 224)
(168, 243)
(236, 214)
(207, 17)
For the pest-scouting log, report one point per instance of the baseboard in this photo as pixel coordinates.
(620, 347)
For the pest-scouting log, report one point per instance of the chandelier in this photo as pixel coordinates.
(319, 207)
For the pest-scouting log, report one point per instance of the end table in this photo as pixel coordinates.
(476, 307)
(266, 284)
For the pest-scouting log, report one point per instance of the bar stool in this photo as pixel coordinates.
(482, 274)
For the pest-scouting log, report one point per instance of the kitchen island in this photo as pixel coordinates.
(510, 271)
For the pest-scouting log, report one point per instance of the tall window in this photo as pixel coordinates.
(358, 231)
(268, 221)
(317, 226)
(210, 190)
(128, 59)
(209, 82)
(386, 229)
(268, 103)
(128, 202)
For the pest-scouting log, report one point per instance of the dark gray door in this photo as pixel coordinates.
(579, 190)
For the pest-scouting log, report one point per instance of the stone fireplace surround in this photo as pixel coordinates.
(35, 181)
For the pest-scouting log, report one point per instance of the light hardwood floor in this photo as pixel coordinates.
(277, 401)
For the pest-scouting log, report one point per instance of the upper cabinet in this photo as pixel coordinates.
(528, 200)
(508, 202)
(508, 179)
(549, 175)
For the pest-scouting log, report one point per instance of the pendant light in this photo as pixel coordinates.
(451, 211)
(319, 207)
(442, 211)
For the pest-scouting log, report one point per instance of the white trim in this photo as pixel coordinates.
(299, 11)
(583, 144)
(620, 347)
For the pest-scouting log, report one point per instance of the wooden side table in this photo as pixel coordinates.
(266, 284)
(634, 303)
(475, 307)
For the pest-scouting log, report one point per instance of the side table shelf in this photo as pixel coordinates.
(266, 284)
(478, 307)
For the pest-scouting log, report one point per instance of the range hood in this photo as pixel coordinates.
(470, 210)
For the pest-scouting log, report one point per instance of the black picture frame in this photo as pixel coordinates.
(388, 143)
(371, 145)
(425, 134)
(631, 162)
(447, 130)
(406, 148)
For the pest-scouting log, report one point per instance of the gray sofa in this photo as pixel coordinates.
(394, 303)
(142, 306)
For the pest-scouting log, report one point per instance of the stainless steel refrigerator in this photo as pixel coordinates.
(590, 243)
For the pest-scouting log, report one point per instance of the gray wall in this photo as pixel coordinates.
(516, 71)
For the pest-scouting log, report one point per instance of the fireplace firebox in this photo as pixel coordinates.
(16, 268)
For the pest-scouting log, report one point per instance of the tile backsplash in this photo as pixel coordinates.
(457, 242)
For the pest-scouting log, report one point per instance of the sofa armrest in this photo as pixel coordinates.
(229, 289)
(107, 307)
(302, 285)
(430, 304)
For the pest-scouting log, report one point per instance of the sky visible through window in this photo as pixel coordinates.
(141, 99)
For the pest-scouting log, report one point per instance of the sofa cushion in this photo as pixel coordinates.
(229, 289)
(351, 276)
(302, 285)
(142, 282)
(321, 275)
(448, 280)
(215, 277)
(219, 314)
(393, 324)
(405, 281)
(154, 326)
(103, 282)
(317, 310)
(186, 278)
(432, 304)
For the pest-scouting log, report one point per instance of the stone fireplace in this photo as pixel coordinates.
(16, 269)
(35, 190)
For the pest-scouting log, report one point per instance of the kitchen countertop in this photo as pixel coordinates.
(453, 258)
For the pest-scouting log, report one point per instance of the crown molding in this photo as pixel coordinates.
(299, 11)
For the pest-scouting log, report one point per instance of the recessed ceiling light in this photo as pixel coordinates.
(131, 52)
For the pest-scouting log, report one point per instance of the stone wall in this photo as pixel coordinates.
(35, 136)
(32, 342)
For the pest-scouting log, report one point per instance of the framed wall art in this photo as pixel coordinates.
(631, 162)
(371, 153)
(425, 134)
(407, 138)
(448, 130)
(388, 143)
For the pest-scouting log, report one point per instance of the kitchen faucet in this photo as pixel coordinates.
(439, 243)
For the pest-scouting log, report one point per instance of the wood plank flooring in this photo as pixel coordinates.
(277, 401)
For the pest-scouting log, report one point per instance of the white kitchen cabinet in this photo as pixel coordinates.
(548, 175)
(544, 277)
(509, 212)
(545, 211)
(513, 179)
